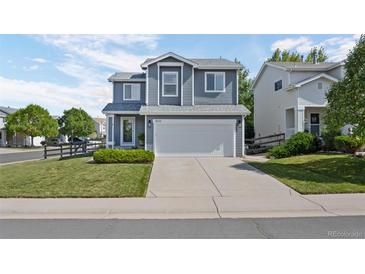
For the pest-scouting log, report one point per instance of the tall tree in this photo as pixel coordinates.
(245, 97)
(33, 121)
(346, 98)
(319, 54)
(76, 123)
(287, 56)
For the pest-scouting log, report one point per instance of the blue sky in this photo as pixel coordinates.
(62, 71)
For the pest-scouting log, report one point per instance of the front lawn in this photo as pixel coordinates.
(78, 177)
(318, 173)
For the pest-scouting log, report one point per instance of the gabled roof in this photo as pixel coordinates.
(128, 76)
(150, 61)
(8, 110)
(202, 63)
(298, 66)
(313, 78)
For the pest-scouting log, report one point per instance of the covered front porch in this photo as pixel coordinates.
(304, 119)
(125, 131)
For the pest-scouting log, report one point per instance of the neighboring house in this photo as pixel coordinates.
(16, 139)
(184, 107)
(290, 97)
(100, 127)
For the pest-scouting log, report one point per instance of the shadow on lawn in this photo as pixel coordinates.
(332, 170)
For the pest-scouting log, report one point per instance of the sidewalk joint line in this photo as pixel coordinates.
(261, 231)
(210, 178)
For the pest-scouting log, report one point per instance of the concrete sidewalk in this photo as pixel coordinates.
(182, 208)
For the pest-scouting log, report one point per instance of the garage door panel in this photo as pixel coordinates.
(194, 139)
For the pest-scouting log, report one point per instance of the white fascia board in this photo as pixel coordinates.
(316, 77)
(262, 69)
(128, 80)
(194, 113)
(217, 68)
(169, 54)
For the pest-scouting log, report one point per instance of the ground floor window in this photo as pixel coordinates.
(315, 124)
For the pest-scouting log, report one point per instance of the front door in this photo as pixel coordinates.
(128, 125)
(315, 124)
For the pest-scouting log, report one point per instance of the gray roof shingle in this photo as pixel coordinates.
(128, 76)
(215, 63)
(305, 66)
(197, 109)
(8, 110)
(122, 107)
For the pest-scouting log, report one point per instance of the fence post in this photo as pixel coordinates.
(61, 151)
(45, 151)
(84, 147)
(70, 149)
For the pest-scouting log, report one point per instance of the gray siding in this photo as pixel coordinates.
(171, 100)
(118, 93)
(238, 128)
(222, 98)
(117, 127)
(153, 84)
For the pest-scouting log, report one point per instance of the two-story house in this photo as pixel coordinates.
(183, 107)
(290, 97)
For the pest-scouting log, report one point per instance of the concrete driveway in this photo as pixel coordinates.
(236, 188)
(210, 177)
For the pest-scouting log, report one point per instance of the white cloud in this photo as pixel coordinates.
(337, 48)
(30, 68)
(104, 50)
(55, 97)
(38, 60)
(291, 43)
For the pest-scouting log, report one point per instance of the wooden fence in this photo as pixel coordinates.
(262, 144)
(68, 149)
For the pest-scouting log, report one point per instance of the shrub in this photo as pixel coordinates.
(299, 143)
(348, 144)
(278, 152)
(329, 136)
(123, 156)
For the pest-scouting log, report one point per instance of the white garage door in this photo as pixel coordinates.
(198, 137)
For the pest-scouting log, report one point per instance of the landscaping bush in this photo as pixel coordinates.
(279, 152)
(123, 156)
(329, 136)
(299, 143)
(349, 144)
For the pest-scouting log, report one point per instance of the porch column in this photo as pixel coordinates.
(300, 119)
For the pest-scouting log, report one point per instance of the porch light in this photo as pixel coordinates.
(149, 123)
(238, 123)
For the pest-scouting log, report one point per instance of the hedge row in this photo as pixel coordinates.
(349, 144)
(130, 156)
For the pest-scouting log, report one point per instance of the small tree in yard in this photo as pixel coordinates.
(76, 123)
(346, 98)
(246, 98)
(33, 121)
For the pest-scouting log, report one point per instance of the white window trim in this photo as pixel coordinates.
(215, 73)
(176, 84)
(110, 143)
(131, 84)
(133, 120)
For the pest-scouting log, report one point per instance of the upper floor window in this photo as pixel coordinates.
(278, 85)
(320, 85)
(131, 92)
(169, 83)
(214, 82)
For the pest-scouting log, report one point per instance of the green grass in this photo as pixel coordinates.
(78, 177)
(318, 173)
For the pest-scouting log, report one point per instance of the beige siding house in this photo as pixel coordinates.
(291, 97)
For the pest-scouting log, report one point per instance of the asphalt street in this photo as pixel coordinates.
(281, 228)
(20, 156)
